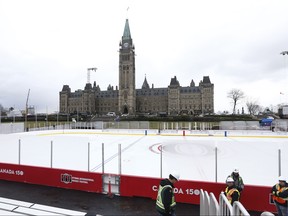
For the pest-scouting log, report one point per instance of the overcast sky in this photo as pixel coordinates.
(45, 44)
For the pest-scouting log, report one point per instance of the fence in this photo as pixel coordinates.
(210, 206)
(280, 125)
(277, 125)
(239, 125)
(214, 207)
(13, 127)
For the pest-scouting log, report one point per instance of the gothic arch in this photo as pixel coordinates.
(125, 110)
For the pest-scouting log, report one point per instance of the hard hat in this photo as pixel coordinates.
(176, 176)
(229, 179)
(282, 178)
(236, 170)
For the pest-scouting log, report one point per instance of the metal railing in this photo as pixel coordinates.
(238, 209)
(225, 207)
(209, 206)
(214, 206)
(204, 203)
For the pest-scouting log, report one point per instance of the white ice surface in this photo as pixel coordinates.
(192, 156)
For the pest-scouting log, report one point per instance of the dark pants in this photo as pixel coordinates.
(172, 214)
(282, 210)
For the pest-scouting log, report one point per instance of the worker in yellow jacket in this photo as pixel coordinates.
(280, 196)
(231, 191)
(165, 202)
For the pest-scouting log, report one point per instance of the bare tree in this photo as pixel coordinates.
(253, 106)
(236, 95)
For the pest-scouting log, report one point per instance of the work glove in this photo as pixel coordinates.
(275, 193)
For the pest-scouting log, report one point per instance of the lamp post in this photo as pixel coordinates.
(284, 53)
(36, 117)
(26, 112)
(285, 62)
(47, 118)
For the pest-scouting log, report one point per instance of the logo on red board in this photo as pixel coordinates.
(68, 178)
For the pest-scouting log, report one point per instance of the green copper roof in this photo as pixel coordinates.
(126, 34)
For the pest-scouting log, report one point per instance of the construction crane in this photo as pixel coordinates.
(26, 110)
(88, 73)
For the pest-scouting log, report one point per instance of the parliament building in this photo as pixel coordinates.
(126, 99)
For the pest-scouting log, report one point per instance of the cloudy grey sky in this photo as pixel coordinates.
(45, 44)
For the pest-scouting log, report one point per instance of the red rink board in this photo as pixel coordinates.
(69, 179)
(255, 198)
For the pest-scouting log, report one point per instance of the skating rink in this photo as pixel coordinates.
(199, 155)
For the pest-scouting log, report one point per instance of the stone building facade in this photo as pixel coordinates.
(172, 100)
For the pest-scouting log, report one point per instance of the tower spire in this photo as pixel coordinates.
(126, 34)
(127, 90)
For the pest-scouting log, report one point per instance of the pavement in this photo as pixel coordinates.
(91, 203)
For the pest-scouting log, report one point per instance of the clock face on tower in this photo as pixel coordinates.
(126, 45)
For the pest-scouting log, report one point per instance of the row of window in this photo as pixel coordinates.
(149, 93)
(139, 93)
(125, 67)
(125, 57)
(143, 103)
